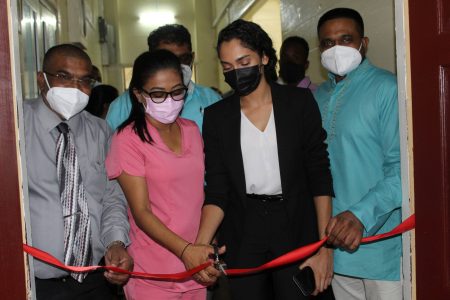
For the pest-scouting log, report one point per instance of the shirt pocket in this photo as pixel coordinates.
(96, 180)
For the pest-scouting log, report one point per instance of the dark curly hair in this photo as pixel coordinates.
(169, 34)
(145, 66)
(253, 37)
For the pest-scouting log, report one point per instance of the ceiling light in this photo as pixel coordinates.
(157, 18)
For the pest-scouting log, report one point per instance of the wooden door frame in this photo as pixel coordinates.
(12, 260)
(430, 78)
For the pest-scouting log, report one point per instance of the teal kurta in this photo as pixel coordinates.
(360, 115)
(195, 103)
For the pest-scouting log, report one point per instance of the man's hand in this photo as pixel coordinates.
(345, 231)
(195, 255)
(117, 256)
(322, 265)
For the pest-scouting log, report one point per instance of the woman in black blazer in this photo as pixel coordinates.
(268, 183)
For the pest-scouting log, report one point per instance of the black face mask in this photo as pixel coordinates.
(244, 80)
(292, 73)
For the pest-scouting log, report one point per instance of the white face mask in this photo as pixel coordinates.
(66, 101)
(341, 60)
(187, 75)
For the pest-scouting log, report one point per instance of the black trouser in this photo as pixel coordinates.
(265, 237)
(94, 287)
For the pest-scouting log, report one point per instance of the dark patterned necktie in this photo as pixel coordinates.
(77, 230)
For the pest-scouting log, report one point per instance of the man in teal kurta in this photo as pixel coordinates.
(359, 110)
(177, 39)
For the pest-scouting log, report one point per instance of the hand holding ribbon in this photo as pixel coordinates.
(288, 258)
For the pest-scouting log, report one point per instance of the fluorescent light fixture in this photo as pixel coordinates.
(157, 18)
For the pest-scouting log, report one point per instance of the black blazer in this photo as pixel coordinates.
(303, 160)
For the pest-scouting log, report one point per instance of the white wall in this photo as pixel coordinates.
(300, 18)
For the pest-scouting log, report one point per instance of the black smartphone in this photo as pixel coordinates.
(305, 281)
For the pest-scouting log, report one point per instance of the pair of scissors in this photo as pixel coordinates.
(218, 263)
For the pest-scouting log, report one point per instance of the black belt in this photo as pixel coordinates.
(68, 277)
(266, 198)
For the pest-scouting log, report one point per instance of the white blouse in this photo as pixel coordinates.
(260, 157)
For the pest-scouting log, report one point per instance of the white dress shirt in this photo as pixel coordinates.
(260, 157)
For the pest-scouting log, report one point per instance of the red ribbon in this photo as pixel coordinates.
(288, 258)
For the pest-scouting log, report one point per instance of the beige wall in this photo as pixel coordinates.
(266, 13)
(60, 11)
(218, 6)
(131, 35)
(61, 7)
(91, 41)
(113, 72)
(206, 58)
(195, 15)
(222, 85)
(297, 18)
(301, 19)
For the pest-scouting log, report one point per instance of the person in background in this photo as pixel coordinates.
(177, 39)
(294, 63)
(100, 99)
(359, 108)
(268, 183)
(77, 214)
(157, 157)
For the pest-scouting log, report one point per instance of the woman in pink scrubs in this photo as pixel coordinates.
(157, 157)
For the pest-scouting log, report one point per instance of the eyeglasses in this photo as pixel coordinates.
(68, 79)
(161, 96)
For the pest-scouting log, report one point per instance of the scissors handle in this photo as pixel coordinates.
(218, 264)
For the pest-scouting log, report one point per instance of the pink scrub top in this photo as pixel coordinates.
(175, 192)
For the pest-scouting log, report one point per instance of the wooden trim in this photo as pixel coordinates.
(430, 83)
(12, 272)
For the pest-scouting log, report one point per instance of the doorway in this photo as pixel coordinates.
(425, 109)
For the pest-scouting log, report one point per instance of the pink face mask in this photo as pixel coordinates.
(165, 112)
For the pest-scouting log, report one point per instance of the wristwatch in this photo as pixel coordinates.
(116, 243)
